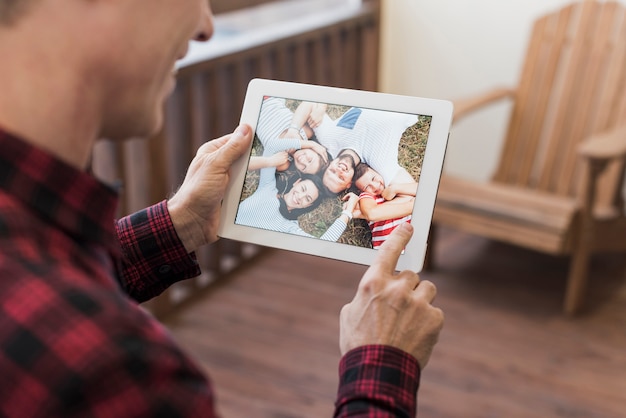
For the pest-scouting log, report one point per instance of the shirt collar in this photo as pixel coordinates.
(72, 199)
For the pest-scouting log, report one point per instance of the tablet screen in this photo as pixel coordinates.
(309, 158)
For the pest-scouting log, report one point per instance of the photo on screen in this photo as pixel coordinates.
(309, 159)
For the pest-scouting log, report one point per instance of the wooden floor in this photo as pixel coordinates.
(268, 336)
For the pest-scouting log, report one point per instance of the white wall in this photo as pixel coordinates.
(449, 49)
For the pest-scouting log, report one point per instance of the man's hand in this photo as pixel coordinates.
(195, 207)
(392, 309)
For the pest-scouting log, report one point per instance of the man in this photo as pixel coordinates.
(339, 174)
(72, 341)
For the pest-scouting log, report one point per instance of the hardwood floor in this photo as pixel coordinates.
(268, 335)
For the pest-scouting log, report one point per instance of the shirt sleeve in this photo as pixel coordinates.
(153, 256)
(377, 381)
(333, 233)
(365, 195)
(275, 145)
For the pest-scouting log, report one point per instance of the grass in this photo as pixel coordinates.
(410, 156)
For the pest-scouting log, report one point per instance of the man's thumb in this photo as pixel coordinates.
(237, 144)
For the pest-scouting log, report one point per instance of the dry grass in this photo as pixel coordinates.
(410, 156)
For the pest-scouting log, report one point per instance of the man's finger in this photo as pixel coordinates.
(411, 278)
(427, 290)
(388, 253)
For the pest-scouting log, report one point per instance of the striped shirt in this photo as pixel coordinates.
(382, 229)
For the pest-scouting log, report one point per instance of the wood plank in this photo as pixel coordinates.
(503, 172)
(199, 114)
(505, 230)
(580, 123)
(369, 49)
(351, 64)
(137, 166)
(534, 141)
(575, 65)
(268, 336)
(319, 60)
(302, 67)
(529, 207)
(612, 100)
(176, 137)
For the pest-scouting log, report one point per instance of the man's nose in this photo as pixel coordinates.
(205, 25)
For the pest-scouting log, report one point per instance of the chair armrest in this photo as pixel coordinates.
(606, 145)
(598, 150)
(464, 106)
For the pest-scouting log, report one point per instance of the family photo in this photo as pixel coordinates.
(332, 172)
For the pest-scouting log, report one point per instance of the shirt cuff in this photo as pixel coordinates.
(153, 256)
(377, 380)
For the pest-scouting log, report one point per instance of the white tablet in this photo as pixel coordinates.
(332, 171)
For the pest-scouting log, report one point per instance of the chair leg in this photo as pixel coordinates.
(578, 277)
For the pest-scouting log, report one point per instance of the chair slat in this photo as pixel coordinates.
(610, 93)
(559, 129)
(553, 40)
(548, 38)
(571, 86)
(611, 99)
(592, 72)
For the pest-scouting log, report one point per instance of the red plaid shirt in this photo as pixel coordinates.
(72, 341)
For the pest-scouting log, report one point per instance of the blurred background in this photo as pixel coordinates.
(263, 323)
(450, 49)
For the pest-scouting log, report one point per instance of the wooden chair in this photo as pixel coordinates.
(558, 185)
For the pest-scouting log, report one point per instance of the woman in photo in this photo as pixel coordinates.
(278, 210)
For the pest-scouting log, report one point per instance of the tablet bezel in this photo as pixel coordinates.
(413, 256)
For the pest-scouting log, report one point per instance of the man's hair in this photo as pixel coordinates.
(359, 171)
(325, 162)
(341, 154)
(11, 10)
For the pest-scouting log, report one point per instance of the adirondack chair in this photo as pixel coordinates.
(559, 181)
